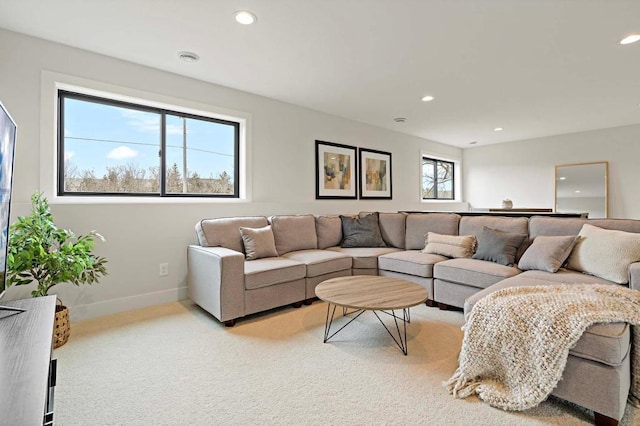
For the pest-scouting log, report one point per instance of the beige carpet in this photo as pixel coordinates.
(174, 364)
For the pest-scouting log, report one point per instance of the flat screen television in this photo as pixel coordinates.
(8, 130)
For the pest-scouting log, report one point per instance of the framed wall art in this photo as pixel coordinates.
(375, 174)
(336, 169)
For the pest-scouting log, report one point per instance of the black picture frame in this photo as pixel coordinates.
(336, 171)
(375, 176)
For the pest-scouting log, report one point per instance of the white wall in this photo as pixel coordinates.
(140, 236)
(524, 171)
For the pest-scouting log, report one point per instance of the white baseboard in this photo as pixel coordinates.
(113, 306)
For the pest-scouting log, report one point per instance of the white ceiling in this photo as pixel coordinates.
(533, 67)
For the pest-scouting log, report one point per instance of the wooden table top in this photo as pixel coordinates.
(371, 292)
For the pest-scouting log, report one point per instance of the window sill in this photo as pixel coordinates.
(144, 200)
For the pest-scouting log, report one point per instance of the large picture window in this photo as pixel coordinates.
(437, 179)
(109, 147)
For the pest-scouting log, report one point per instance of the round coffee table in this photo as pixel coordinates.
(371, 293)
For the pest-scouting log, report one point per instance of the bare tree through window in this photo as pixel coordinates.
(437, 179)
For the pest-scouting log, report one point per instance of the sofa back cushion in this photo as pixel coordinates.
(419, 224)
(392, 227)
(296, 232)
(329, 231)
(225, 231)
(554, 226)
(540, 225)
(474, 225)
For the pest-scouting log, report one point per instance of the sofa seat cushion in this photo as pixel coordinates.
(604, 343)
(271, 270)
(412, 262)
(364, 257)
(320, 262)
(564, 276)
(473, 272)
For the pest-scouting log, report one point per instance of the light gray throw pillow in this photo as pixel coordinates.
(547, 253)
(454, 246)
(361, 232)
(497, 246)
(258, 242)
(605, 253)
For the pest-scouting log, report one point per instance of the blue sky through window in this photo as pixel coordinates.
(99, 135)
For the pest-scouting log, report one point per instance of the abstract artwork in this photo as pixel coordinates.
(375, 174)
(336, 169)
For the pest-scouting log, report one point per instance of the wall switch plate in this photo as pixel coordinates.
(164, 269)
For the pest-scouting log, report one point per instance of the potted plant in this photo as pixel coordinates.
(40, 251)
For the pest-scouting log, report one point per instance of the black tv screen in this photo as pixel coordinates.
(7, 146)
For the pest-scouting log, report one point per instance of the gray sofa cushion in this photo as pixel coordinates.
(473, 225)
(258, 242)
(361, 232)
(320, 262)
(225, 231)
(411, 262)
(294, 232)
(419, 224)
(605, 343)
(365, 257)
(540, 225)
(392, 228)
(547, 253)
(271, 270)
(472, 272)
(329, 230)
(498, 246)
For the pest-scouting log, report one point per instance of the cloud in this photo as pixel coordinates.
(122, 153)
(68, 155)
(148, 122)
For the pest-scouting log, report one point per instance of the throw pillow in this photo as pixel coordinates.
(450, 245)
(497, 246)
(258, 242)
(547, 253)
(605, 253)
(362, 231)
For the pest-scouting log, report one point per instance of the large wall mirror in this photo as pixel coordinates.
(582, 188)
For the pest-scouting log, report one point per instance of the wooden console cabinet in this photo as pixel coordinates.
(27, 372)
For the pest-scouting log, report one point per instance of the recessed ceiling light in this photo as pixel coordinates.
(427, 98)
(498, 129)
(578, 191)
(400, 119)
(562, 178)
(632, 38)
(473, 142)
(188, 56)
(244, 17)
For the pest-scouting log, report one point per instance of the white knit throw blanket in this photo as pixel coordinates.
(517, 340)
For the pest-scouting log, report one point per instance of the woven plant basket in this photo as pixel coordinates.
(62, 327)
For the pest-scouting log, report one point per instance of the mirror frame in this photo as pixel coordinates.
(606, 183)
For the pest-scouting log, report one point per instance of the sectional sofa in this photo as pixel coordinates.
(307, 250)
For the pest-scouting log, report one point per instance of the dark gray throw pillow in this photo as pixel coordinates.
(497, 246)
(361, 232)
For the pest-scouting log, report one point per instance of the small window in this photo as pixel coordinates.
(109, 147)
(437, 179)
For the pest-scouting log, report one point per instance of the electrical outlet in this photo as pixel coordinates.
(164, 269)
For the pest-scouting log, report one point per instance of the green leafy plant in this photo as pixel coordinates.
(40, 251)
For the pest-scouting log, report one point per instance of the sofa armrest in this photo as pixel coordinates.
(634, 276)
(216, 280)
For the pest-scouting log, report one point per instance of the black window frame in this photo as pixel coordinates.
(437, 162)
(66, 94)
